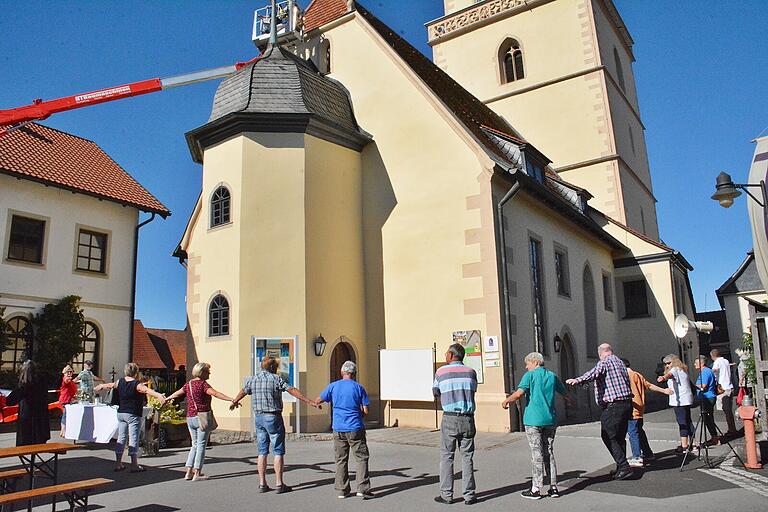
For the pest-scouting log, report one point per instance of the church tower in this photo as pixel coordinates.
(559, 71)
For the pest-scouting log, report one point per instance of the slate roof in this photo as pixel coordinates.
(55, 158)
(745, 279)
(282, 83)
(156, 349)
(320, 12)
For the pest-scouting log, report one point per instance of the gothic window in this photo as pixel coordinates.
(220, 207)
(218, 316)
(537, 287)
(619, 71)
(90, 350)
(561, 272)
(19, 334)
(590, 312)
(511, 59)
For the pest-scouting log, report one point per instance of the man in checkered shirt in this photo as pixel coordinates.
(614, 395)
(266, 390)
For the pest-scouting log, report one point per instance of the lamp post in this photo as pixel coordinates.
(726, 190)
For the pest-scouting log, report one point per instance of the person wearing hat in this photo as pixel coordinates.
(350, 405)
(86, 378)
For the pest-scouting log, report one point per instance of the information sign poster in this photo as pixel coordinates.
(282, 349)
(473, 350)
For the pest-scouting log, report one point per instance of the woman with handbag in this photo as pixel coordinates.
(129, 414)
(200, 419)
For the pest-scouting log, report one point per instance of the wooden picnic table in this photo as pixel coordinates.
(33, 460)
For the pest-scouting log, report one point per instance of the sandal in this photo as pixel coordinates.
(200, 477)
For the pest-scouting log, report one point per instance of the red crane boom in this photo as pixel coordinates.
(15, 118)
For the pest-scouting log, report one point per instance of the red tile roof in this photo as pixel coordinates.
(176, 342)
(155, 349)
(320, 12)
(58, 159)
(144, 353)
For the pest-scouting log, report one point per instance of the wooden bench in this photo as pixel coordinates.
(76, 493)
(8, 479)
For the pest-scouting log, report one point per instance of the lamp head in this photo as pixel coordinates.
(725, 190)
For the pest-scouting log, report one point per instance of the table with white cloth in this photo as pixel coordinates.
(94, 423)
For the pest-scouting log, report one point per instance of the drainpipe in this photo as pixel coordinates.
(509, 373)
(133, 288)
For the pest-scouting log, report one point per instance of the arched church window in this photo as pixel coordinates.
(619, 71)
(220, 206)
(511, 58)
(19, 335)
(90, 350)
(218, 316)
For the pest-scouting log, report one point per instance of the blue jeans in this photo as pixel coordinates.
(638, 441)
(684, 423)
(196, 455)
(270, 429)
(128, 427)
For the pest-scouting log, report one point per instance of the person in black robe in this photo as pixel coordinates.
(31, 394)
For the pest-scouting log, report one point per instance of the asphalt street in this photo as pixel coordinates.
(404, 477)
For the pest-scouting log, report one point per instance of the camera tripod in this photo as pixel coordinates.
(704, 438)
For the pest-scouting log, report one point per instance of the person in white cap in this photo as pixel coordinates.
(350, 405)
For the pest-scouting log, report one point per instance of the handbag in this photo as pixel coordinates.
(719, 390)
(741, 395)
(206, 420)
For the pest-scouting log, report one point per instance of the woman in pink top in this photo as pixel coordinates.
(199, 394)
(67, 393)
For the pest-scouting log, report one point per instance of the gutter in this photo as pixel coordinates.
(515, 414)
(133, 277)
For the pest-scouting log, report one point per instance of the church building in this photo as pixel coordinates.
(359, 195)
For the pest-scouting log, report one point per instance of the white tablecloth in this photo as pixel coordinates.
(93, 423)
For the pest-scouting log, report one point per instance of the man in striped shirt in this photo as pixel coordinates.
(614, 395)
(455, 385)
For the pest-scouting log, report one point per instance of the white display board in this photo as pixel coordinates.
(407, 374)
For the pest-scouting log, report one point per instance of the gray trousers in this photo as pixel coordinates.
(727, 402)
(343, 443)
(457, 431)
(541, 440)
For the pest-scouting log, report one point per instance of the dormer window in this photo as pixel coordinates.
(324, 57)
(534, 169)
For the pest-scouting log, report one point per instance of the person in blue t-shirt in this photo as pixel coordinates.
(706, 385)
(350, 405)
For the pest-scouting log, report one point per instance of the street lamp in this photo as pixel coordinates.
(726, 190)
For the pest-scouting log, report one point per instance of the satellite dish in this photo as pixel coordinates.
(683, 326)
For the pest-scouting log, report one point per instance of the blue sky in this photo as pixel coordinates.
(700, 72)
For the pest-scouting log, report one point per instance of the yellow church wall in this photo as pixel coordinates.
(335, 288)
(428, 239)
(212, 254)
(603, 181)
(472, 59)
(639, 206)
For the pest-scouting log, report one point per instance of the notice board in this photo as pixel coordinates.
(407, 374)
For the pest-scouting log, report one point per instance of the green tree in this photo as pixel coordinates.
(59, 333)
(747, 346)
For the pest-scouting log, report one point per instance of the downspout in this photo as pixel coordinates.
(133, 288)
(509, 374)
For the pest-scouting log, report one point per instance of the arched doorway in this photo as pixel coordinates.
(568, 371)
(342, 352)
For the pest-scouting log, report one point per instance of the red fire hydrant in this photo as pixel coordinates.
(748, 414)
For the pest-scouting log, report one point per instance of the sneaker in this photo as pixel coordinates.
(345, 494)
(553, 493)
(622, 474)
(264, 488)
(635, 462)
(531, 495)
(366, 495)
(440, 499)
(280, 489)
(470, 501)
